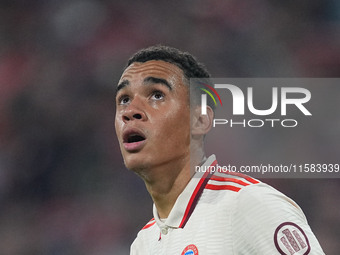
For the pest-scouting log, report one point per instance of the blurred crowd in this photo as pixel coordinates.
(63, 186)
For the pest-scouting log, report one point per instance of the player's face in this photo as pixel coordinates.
(152, 115)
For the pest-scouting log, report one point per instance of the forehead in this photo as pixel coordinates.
(154, 68)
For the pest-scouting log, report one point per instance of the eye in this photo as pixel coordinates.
(123, 100)
(157, 95)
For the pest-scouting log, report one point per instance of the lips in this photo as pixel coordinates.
(133, 139)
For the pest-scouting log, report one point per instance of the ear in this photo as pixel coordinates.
(201, 124)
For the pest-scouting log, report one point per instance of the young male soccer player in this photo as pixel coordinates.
(220, 213)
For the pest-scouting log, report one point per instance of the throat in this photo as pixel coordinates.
(165, 191)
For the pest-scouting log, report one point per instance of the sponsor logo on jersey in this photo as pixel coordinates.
(290, 239)
(191, 249)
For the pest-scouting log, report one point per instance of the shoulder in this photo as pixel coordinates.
(265, 200)
(265, 221)
(248, 193)
(144, 236)
(234, 182)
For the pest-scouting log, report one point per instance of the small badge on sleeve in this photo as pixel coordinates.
(290, 239)
(191, 249)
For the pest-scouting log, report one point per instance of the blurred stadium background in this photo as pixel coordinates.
(63, 187)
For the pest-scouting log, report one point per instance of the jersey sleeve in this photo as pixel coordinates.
(265, 221)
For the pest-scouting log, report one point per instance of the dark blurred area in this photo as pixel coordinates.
(63, 185)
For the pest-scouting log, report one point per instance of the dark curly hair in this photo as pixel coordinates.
(184, 60)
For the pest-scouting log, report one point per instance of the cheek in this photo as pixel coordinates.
(118, 125)
(177, 123)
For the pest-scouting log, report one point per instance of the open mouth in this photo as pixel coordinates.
(133, 138)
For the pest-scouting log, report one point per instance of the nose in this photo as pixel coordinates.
(132, 113)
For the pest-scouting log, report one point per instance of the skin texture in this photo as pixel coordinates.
(152, 101)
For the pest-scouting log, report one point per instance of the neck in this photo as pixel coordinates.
(166, 182)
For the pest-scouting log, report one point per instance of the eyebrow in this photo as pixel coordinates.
(155, 80)
(147, 80)
(121, 85)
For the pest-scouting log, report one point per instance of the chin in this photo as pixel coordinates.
(135, 163)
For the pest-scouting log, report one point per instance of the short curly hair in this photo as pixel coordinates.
(185, 61)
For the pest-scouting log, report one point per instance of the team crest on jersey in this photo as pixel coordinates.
(191, 249)
(290, 239)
